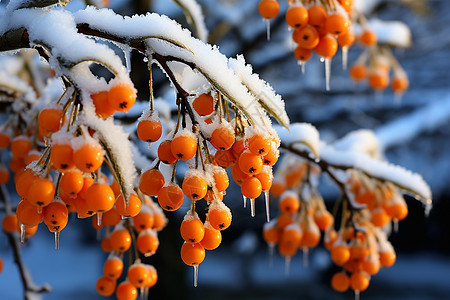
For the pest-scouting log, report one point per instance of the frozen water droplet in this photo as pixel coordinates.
(357, 295)
(287, 265)
(142, 291)
(252, 207)
(127, 53)
(327, 73)
(395, 225)
(266, 197)
(195, 275)
(322, 59)
(245, 201)
(57, 239)
(302, 64)
(22, 233)
(145, 59)
(344, 58)
(99, 219)
(305, 256)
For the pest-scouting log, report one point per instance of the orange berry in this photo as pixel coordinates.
(30, 231)
(61, 157)
(297, 16)
(100, 197)
(41, 192)
(221, 179)
(143, 221)
(126, 291)
(359, 252)
(291, 235)
(192, 230)
(310, 238)
(399, 84)
(88, 157)
(251, 187)
(28, 214)
(82, 208)
(347, 39)
(105, 286)
(219, 217)
(368, 38)
(259, 144)
(24, 182)
(388, 258)
(132, 209)
(106, 245)
(113, 267)
(165, 153)
(50, 120)
(371, 267)
(159, 221)
(212, 237)
(359, 281)
(147, 243)
(194, 186)
(250, 163)
(327, 46)
(111, 218)
(237, 175)
(10, 223)
(330, 238)
(120, 240)
(138, 275)
(324, 220)
(203, 104)
(283, 220)
(265, 178)
(317, 16)
(103, 108)
(71, 182)
(152, 276)
(122, 97)
(192, 254)
(170, 197)
(278, 188)
(116, 188)
(4, 175)
(340, 282)
(20, 146)
(380, 218)
(222, 138)
(358, 72)
(33, 155)
(340, 254)
(271, 235)
(398, 211)
(287, 249)
(302, 54)
(183, 146)
(337, 24)
(224, 159)
(149, 130)
(5, 140)
(289, 203)
(268, 9)
(17, 164)
(238, 147)
(56, 216)
(306, 37)
(378, 80)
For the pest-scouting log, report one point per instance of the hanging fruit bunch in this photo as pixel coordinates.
(324, 26)
(370, 203)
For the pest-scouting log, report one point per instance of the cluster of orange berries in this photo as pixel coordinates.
(250, 155)
(360, 245)
(303, 214)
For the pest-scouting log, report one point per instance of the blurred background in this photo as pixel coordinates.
(239, 268)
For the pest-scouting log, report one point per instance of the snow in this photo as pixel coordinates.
(194, 15)
(362, 141)
(167, 38)
(300, 133)
(394, 33)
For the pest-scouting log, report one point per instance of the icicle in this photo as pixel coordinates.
(142, 291)
(305, 256)
(245, 201)
(268, 28)
(428, 207)
(99, 234)
(127, 54)
(395, 225)
(356, 295)
(287, 265)
(302, 64)
(252, 207)
(344, 58)
(146, 292)
(22, 233)
(271, 253)
(99, 219)
(266, 197)
(57, 239)
(195, 275)
(327, 73)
